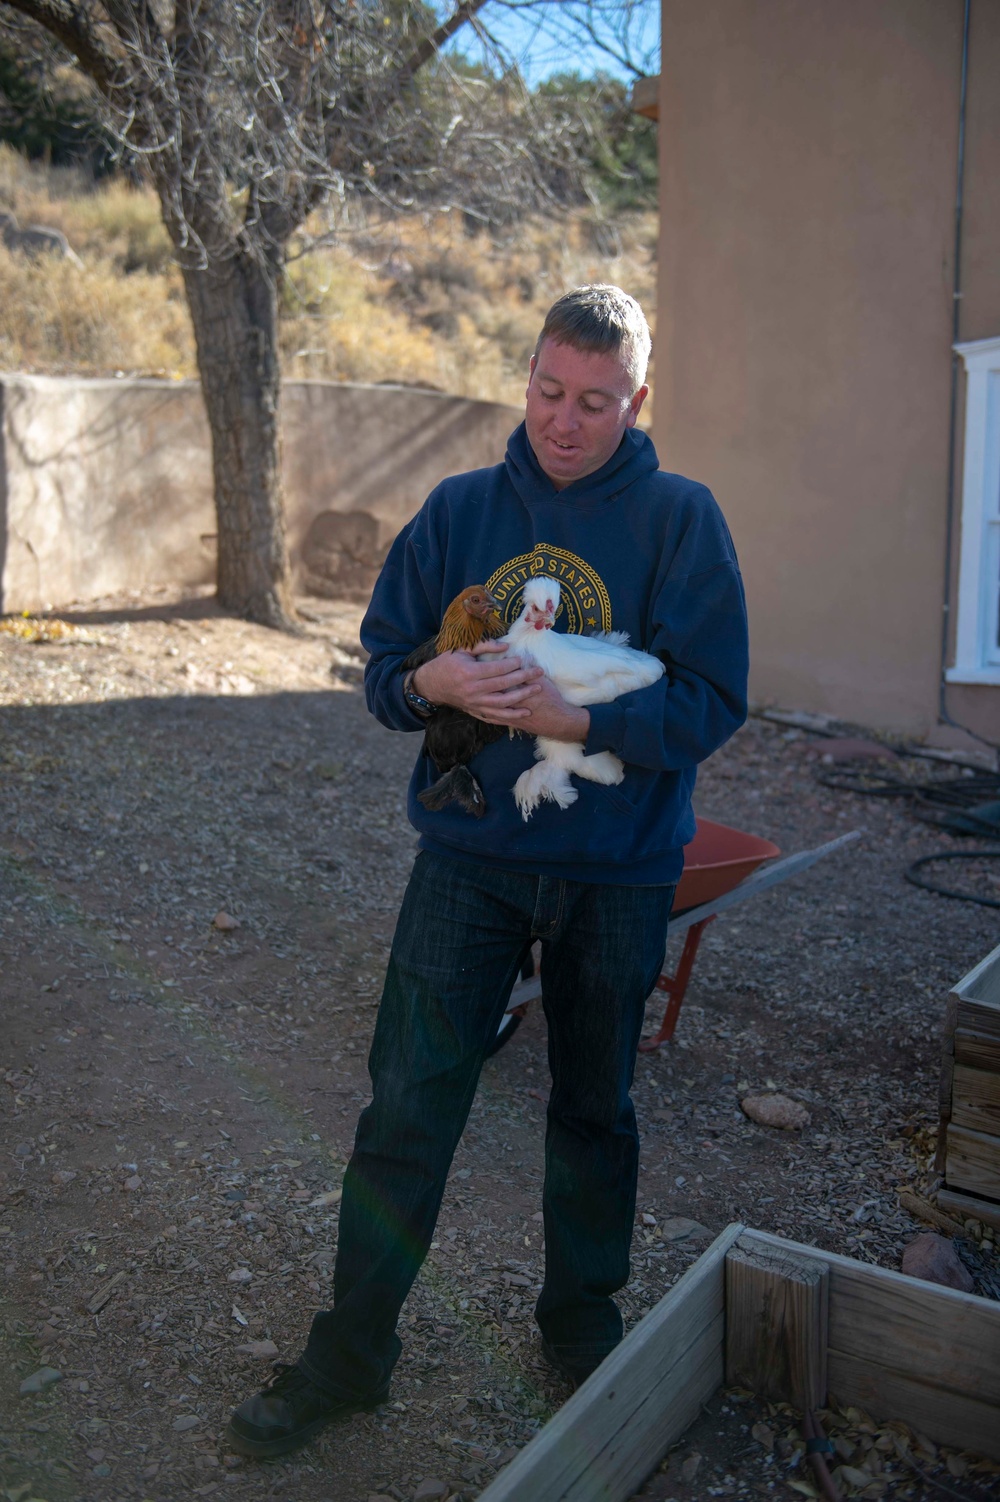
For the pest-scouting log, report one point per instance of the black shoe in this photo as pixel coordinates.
(576, 1368)
(288, 1411)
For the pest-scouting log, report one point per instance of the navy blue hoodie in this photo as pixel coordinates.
(634, 550)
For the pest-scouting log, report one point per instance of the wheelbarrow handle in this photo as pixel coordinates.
(767, 876)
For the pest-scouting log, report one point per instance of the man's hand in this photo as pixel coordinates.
(549, 714)
(486, 684)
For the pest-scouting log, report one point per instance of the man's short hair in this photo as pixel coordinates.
(601, 319)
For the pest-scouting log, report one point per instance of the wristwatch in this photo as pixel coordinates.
(420, 706)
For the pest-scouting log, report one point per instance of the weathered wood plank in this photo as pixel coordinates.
(976, 1101)
(973, 1162)
(967, 1207)
(908, 1326)
(944, 1109)
(958, 1419)
(945, 1078)
(938, 1336)
(979, 1017)
(776, 1324)
(977, 1050)
(611, 1432)
(950, 1023)
(922, 1209)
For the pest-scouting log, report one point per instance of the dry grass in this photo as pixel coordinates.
(419, 301)
(56, 319)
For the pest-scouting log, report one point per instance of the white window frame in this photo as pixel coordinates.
(977, 650)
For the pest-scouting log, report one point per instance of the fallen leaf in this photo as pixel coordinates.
(764, 1435)
(853, 1476)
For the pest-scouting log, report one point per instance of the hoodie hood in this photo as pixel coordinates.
(634, 457)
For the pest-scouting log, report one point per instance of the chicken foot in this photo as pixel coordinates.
(549, 778)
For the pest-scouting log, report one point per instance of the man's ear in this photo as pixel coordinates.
(635, 406)
(531, 369)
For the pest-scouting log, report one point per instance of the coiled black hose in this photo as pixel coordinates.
(960, 805)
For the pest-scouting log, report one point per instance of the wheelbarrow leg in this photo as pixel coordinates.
(675, 986)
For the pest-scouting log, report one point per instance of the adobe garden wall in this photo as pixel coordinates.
(105, 485)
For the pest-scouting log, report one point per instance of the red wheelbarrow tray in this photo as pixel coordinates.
(716, 861)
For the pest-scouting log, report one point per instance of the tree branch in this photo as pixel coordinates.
(433, 43)
(134, 21)
(73, 26)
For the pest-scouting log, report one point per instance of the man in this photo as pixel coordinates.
(579, 497)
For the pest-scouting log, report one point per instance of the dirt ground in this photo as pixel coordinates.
(179, 1099)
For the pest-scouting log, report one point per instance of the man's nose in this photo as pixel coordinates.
(567, 418)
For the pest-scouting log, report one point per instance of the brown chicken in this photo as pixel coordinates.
(452, 737)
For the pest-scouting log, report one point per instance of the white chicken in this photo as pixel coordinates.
(585, 670)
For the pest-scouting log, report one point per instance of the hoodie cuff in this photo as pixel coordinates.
(607, 728)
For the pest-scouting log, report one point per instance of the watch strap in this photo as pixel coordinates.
(420, 706)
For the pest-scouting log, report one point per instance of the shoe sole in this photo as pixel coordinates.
(269, 1449)
(575, 1376)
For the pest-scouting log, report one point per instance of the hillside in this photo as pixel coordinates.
(420, 301)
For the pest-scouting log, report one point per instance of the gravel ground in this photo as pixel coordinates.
(180, 1098)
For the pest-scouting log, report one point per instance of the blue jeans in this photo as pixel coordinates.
(463, 933)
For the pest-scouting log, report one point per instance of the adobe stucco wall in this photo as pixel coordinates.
(808, 176)
(106, 485)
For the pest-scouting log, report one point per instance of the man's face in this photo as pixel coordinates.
(578, 406)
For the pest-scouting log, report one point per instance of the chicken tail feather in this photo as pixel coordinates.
(457, 786)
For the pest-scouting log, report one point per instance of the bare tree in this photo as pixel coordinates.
(246, 115)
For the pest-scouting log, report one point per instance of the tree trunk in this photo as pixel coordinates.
(234, 310)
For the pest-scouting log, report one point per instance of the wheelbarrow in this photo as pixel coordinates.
(721, 869)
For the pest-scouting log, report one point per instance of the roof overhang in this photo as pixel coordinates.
(646, 97)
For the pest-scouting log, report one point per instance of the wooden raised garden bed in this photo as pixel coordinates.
(793, 1324)
(969, 1133)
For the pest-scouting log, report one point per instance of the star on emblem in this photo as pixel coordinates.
(591, 620)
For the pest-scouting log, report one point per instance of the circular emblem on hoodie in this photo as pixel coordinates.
(583, 599)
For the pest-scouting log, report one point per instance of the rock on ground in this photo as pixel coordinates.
(776, 1111)
(933, 1258)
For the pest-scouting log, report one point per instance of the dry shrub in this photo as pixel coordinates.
(57, 320)
(487, 298)
(421, 301)
(123, 224)
(337, 324)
